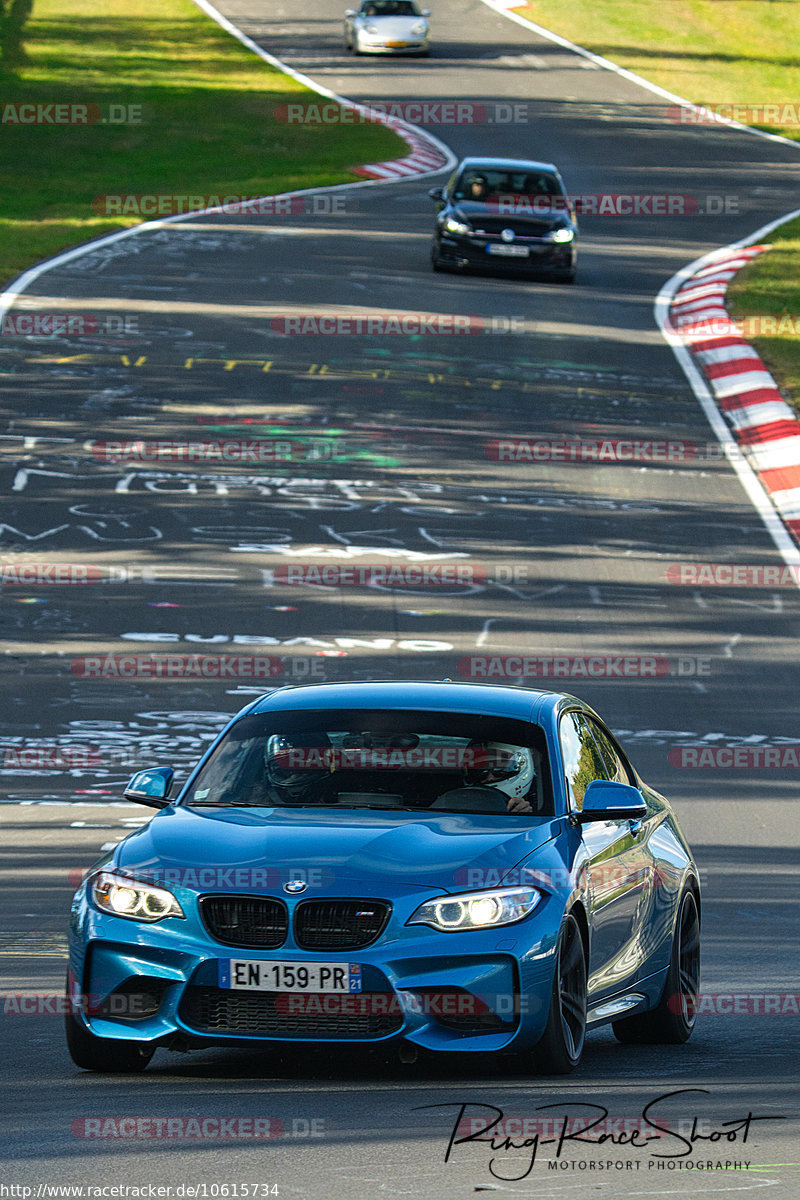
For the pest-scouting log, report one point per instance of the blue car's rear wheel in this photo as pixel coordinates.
(674, 1018)
(559, 1049)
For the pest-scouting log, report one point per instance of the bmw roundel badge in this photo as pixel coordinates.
(294, 886)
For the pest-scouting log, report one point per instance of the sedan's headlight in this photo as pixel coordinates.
(419, 27)
(371, 29)
(124, 897)
(454, 226)
(561, 235)
(477, 910)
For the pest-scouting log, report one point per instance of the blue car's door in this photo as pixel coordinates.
(619, 870)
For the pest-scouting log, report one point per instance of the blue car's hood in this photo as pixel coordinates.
(221, 850)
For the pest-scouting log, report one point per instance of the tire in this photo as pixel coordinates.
(671, 1022)
(560, 1047)
(104, 1054)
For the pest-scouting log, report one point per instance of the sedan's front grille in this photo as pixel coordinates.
(285, 1015)
(252, 922)
(339, 924)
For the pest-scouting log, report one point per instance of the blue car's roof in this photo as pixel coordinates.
(493, 700)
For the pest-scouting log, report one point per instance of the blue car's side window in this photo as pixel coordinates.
(615, 764)
(581, 757)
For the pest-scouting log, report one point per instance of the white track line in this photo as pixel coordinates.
(784, 505)
(501, 7)
(425, 150)
(709, 277)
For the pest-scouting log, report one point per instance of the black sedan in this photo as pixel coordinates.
(508, 215)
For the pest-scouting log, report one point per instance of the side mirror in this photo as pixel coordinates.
(426, 12)
(436, 193)
(151, 787)
(607, 801)
(349, 12)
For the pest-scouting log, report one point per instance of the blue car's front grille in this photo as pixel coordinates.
(272, 1014)
(339, 924)
(255, 922)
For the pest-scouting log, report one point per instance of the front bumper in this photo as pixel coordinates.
(478, 990)
(374, 46)
(476, 253)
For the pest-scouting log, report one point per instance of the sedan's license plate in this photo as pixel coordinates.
(507, 251)
(396, 45)
(289, 976)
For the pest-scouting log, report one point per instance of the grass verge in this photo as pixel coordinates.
(204, 122)
(728, 55)
(713, 52)
(769, 288)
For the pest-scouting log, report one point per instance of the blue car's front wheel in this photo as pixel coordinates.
(111, 1055)
(559, 1049)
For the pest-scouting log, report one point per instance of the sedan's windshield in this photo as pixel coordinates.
(389, 760)
(389, 8)
(483, 185)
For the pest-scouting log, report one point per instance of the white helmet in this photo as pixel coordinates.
(510, 769)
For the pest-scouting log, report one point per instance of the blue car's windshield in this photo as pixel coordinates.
(417, 761)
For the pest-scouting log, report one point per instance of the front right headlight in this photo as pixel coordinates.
(477, 910)
(132, 898)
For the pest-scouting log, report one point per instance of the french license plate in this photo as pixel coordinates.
(508, 251)
(396, 45)
(289, 976)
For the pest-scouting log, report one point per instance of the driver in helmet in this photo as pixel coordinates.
(477, 187)
(295, 763)
(509, 769)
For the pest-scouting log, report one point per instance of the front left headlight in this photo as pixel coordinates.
(132, 898)
(419, 28)
(564, 234)
(477, 910)
(454, 226)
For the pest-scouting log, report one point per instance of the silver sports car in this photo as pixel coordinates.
(387, 27)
